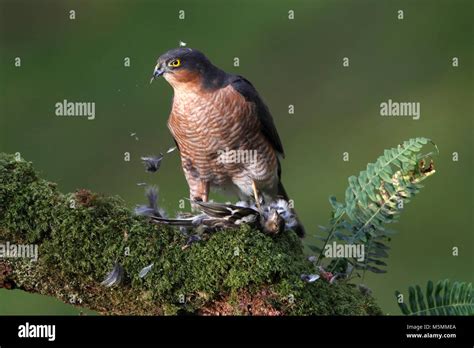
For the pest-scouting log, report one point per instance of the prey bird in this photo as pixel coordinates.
(214, 113)
(271, 219)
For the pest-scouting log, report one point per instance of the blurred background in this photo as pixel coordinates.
(296, 62)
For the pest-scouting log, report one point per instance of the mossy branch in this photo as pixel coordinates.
(81, 235)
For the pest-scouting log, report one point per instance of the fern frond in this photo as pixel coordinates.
(377, 197)
(372, 197)
(448, 299)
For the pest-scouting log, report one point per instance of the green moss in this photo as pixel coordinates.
(81, 235)
(324, 299)
(23, 208)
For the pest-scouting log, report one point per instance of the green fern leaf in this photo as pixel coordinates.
(449, 299)
(376, 197)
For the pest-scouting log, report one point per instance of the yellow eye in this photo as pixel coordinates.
(175, 63)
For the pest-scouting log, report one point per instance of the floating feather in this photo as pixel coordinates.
(114, 277)
(152, 163)
(144, 271)
(309, 278)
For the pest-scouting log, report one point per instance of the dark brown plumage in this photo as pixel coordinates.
(224, 131)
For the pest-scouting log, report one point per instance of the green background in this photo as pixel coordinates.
(295, 62)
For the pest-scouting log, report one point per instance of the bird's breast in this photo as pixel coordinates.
(208, 121)
(208, 124)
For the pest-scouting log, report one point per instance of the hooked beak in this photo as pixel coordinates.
(157, 72)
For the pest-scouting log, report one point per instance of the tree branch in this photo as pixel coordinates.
(81, 235)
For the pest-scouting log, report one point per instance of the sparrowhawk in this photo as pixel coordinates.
(224, 131)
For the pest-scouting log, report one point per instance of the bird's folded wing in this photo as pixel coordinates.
(246, 89)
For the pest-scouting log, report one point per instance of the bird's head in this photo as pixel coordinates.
(274, 223)
(184, 66)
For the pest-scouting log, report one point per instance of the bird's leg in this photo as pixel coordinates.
(255, 194)
(199, 192)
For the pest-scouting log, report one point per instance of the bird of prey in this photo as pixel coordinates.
(215, 113)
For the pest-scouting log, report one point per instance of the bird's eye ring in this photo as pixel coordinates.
(175, 63)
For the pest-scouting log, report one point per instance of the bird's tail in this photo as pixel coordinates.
(299, 229)
(187, 222)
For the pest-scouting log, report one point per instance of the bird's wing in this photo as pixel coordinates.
(248, 91)
(176, 143)
(225, 211)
